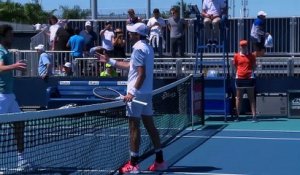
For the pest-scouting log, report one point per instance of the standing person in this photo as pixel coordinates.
(245, 64)
(258, 34)
(90, 37)
(157, 26)
(107, 35)
(177, 27)
(212, 11)
(132, 18)
(45, 62)
(76, 43)
(139, 86)
(54, 26)
(8, 103)
(119, 44)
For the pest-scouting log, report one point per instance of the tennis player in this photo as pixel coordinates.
(139, 86)
(245, 63)
(8, 103)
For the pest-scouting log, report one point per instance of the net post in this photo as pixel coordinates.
(197, 94)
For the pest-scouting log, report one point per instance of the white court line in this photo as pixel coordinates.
(261, 130)
(249, 138)
(191, 173)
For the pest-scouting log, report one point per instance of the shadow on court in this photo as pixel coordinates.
(183, 145)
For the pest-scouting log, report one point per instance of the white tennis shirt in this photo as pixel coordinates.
(142, 55)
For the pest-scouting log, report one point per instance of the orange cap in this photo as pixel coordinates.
(243, 43)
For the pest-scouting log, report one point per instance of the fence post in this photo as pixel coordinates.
(292, 35)
(241, 26)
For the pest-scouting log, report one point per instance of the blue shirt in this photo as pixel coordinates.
(258, 29)
(89, 39)
(44, 60)
(76, 42)
(6, 77)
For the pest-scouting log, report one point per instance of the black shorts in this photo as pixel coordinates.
(245, 83)
(258, 46)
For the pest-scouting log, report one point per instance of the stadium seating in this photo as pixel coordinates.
(69, 93)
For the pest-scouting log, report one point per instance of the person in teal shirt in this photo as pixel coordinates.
(8, 103)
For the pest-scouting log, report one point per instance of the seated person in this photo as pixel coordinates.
(67, 69)
(212, 11)
(109, 71)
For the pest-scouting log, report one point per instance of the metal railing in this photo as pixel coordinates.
(283, 66)
(285, 32)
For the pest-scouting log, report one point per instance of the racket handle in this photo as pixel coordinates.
(140, 102)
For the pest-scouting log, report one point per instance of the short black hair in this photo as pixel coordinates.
(4, 28)
(76, 30)
(156, 10)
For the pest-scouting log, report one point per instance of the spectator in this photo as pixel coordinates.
(54, 26)
(60, 42)
(8, 103)
(132, 17)
(90, 37)
(212, 11)
(119, 44)
(245, 63)
(107, 36)
(157, 26)
(67, 69)
(258, 34)
(45, 62)
(109, 71)
(62, 36)
(76, 43)
(177, 27)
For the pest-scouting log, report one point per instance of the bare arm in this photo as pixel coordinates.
(17, 66)
(118, 64)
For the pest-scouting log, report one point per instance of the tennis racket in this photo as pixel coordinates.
(112, 95)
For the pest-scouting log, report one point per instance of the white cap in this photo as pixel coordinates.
(261, 13)
(40, 47)
(139, 28)
(88, 23)
(68, 64)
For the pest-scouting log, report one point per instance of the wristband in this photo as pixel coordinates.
(112, 62)
(132, 91)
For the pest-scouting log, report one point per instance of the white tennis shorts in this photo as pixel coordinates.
(8, 104)
(138, 110)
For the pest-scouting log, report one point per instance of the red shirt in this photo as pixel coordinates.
(244, 65)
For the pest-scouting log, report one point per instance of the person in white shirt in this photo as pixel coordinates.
(54, 26)
(212, 11)
(107, 35)
(139, 86)
(157, 26)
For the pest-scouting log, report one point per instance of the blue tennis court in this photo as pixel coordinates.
(269, 147)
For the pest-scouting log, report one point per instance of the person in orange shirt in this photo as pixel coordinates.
(245, 63)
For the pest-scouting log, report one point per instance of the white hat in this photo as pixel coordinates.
(139, 28)
(40, 47)
(88, 23)
(261, 13)
(68, 64)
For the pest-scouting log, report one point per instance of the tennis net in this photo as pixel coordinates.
(90, 139)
